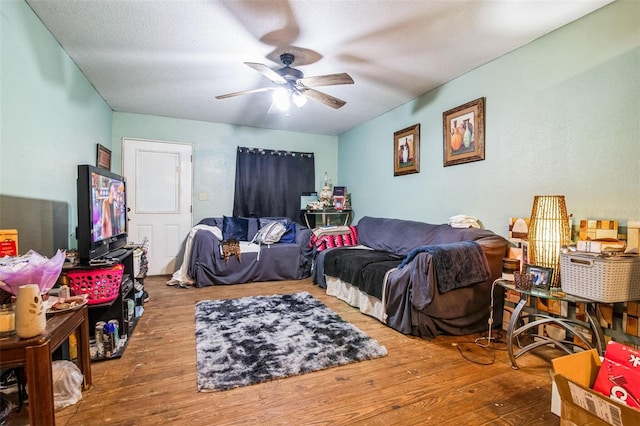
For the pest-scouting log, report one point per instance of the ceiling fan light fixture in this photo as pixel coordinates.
(281, 99)
(290, 85)
(299, 99)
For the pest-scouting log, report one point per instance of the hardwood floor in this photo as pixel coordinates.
(419, 382)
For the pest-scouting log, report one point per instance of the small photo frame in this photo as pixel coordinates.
(541, 276)
(406, 151)
(338, 202)
(463, 129)
(103, 158)
(525, 252)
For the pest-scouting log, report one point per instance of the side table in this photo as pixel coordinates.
(343, 216)
(535, 319)
(34, 355)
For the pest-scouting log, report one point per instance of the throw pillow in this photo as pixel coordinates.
(264, 221)
(234, 228)
(290, 234)
(270, 233)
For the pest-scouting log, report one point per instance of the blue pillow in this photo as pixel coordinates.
(234, 228)
(289, 235)
(265, 220)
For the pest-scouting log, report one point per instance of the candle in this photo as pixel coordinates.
(7, 320)
(509, 266)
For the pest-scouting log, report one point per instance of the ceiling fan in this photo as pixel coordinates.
(291, 84)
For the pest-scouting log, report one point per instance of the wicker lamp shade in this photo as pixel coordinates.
(548, 231)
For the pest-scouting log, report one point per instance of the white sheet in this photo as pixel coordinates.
(352, 295)
(180, 276)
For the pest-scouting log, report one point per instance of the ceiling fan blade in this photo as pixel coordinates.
(326, 80)
(324, 98)
(273, 109)
(267, 72)
(245, 92)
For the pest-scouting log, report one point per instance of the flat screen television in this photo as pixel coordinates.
(102, 212)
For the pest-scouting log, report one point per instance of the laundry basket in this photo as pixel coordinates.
(101, 285)
(603, 279)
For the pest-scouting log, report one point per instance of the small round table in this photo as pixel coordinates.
(536, 318)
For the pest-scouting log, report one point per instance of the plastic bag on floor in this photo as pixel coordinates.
(67, 384)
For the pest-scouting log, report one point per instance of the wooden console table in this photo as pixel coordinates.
(34, 355)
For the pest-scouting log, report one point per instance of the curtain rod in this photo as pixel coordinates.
(264, 151)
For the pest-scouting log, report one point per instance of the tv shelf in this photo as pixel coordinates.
(126, 308)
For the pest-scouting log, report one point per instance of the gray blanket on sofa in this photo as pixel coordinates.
(414, 302)
(456, 265)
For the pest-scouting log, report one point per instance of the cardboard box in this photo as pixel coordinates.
(574, 377)
(594, 229)
(8, 242)
(633, 235)
(556, 403)
(600, 246)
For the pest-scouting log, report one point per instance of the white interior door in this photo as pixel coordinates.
(159, 195)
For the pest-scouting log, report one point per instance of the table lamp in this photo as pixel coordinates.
(548, 231)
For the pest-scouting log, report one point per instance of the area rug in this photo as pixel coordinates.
(250, 340)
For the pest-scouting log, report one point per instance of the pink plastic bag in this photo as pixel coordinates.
(31, 268)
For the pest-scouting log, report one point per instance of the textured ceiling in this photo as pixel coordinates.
(171, 58)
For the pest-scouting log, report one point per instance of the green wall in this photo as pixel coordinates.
(214, 152)
(51, 119)
(562, 117)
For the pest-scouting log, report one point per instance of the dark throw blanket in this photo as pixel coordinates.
(362, 268)
(456, 265)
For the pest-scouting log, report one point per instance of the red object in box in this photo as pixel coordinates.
(8, 248)
(624, 355)
(8, 242)
(619, 375)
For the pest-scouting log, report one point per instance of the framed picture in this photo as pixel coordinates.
(541, 275)
(338, 202)
(463, 129)
(406, 151)
(104, 158)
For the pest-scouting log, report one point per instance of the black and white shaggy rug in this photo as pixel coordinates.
(244, 341)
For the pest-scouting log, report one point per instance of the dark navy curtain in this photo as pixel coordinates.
(270, 183)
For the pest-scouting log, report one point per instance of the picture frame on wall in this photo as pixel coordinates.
(406, 151)
(463, 133)
(103, 159)
(541, 276)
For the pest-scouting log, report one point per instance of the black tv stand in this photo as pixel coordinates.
(112, 257)
(116, 253)
(126, 308)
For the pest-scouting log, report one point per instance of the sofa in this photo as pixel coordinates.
(288, 259)
(418, 278)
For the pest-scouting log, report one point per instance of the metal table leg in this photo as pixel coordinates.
(512, 324)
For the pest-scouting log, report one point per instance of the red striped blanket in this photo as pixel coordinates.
(323, 242)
